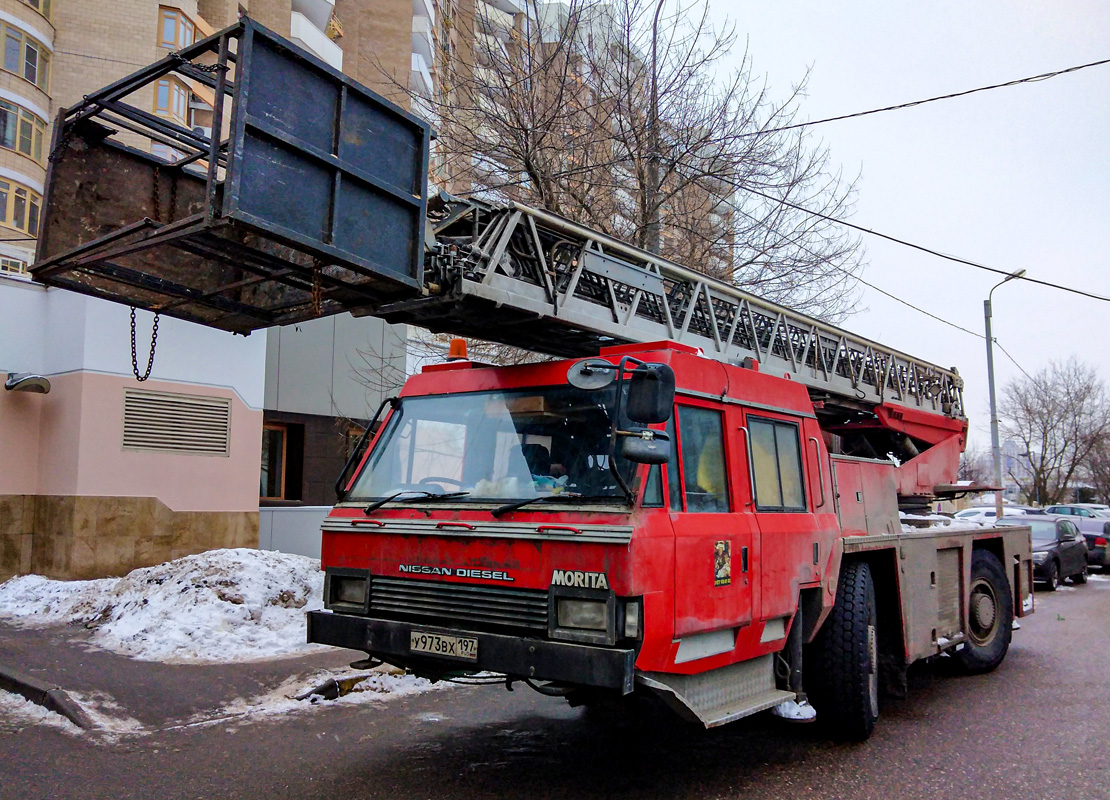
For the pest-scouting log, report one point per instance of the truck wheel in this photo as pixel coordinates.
(990, 614)
(848, 658)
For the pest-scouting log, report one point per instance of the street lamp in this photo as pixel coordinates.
(996, 453)
(1036, 484)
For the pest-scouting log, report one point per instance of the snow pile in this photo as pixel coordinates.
(219, 606)
(375, 687)
(911, 523)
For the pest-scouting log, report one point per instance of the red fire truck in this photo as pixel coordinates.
(700, 498)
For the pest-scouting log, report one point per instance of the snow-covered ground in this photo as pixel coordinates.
(921, 522)
(17, 713)
(219, 606)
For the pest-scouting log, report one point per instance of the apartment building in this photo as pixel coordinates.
(102, 473)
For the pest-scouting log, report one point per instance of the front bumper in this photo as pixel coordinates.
(1040, 571)
(516, 656)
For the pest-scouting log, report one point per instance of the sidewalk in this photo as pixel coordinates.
(153, 693)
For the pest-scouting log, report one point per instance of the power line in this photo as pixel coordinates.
(1032, 79)
(898, 299)
(1014, 360)
(905, 243)
(100, 58)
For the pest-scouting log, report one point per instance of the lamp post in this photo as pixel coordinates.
(996, 452)
(1036, 485)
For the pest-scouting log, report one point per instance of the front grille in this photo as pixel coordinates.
(435, 602)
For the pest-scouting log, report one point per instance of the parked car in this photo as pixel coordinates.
(985, 514)
(1059, 549)
(1094, 523)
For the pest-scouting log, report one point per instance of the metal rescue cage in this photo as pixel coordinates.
(304, 197)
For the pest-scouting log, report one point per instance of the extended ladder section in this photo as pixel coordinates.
(305, 196)
(529, 278)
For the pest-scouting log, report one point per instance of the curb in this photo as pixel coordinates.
(47, 695)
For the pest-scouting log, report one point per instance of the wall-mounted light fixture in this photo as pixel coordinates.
(27, 382)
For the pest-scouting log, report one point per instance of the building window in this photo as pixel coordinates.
(19, 207)
(274, 441)
(175, 30)
(26, 56)
(777, 463)
(41, 6)
(12, 266)
(172, 100)
(20, 130)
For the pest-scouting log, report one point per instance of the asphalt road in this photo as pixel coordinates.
(1036, 728)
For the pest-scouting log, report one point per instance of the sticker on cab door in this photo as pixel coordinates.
(722, 563)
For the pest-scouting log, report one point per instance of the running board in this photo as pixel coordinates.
(721, 695)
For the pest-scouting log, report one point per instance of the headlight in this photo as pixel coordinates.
(1040, 558)
(345, 591)
(588, 614)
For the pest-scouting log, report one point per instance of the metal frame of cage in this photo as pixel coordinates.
(213, 237)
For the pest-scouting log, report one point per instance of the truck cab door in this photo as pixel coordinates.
(713, 543)
(789, 539)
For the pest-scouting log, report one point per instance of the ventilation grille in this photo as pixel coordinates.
(432, 601)
(176, 423)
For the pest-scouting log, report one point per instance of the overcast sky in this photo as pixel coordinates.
(1013, 178)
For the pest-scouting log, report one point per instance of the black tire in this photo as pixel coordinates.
(1081, 577)
(1053, 580)
(846, 656)
(990, 612)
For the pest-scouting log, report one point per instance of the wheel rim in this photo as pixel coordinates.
(983, 611)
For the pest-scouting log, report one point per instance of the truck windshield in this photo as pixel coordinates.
(497, 446)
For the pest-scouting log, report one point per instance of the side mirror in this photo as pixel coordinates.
(650, 395)
(639, 449)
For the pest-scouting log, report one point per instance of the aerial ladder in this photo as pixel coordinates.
(305, 196)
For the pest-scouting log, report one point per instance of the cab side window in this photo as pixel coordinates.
(777, 464)
(705, 481)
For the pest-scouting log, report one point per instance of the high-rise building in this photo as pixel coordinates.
(103, 473)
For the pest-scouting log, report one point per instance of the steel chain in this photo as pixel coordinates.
(156, 195)
(209, 68)
(317, 289)
(61, 146)
(135, 355)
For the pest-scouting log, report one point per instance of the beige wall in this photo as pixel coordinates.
(377, 45)
(72, 438)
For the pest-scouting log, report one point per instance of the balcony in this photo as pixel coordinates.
(508, 6)
(421, 82)
(423, 42)
(313, 39)
(424, 8)
(318, 12)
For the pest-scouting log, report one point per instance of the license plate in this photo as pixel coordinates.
(439, 644)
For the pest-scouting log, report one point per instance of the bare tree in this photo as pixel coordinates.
(1060, 416)
(1098, 470)
(975, 466)
(622, 116)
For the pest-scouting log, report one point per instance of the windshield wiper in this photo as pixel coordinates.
(420, 497)
(543, 498)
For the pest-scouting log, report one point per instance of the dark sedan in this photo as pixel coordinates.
(1059, 549)
(1094, 524)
